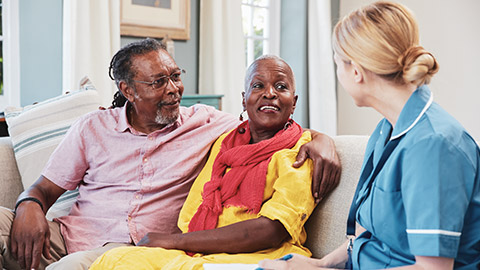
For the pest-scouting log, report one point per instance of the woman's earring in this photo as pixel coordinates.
(241, 115)
(289, 122)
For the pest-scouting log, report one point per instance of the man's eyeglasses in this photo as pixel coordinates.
(162, 82)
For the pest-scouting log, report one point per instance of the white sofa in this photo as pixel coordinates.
(325, 228)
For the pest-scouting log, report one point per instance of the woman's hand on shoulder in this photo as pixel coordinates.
(296, 262)
(327, 167)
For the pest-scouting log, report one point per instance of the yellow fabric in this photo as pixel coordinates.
(287, 198)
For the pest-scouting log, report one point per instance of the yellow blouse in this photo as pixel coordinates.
(287, 198)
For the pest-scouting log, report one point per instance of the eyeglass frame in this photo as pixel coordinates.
(152, 83)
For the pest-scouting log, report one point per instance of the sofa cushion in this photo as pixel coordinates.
(10, 182)
(326, 227)
(36, 130)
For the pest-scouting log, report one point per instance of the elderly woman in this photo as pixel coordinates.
(417, 204)
(248, 203)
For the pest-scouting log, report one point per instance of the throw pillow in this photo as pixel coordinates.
(36, 130)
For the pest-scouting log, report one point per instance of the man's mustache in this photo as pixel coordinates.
(172, 100)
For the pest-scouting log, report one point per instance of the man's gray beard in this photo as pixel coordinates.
(165, 119)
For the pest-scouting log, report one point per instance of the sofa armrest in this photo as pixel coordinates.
(327, 225)
(10, 181)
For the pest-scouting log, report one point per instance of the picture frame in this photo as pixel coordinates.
(155, 18)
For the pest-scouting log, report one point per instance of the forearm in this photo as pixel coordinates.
(246, 236)
(44, 191)
(336, 258)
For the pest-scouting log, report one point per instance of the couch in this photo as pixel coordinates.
(325, 228)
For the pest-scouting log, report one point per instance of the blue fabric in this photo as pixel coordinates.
(425, 201)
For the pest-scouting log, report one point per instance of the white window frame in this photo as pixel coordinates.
(272, 31)
(11, 55)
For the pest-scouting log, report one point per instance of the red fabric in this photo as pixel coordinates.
(244, 184)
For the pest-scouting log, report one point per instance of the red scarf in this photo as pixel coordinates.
(244, 184)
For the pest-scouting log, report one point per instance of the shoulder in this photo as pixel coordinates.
(438, 129)
(290, 155)
(200, 114)
(98, 119)
(203, 110)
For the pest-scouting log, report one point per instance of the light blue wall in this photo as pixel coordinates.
(186, 51)
(293, 49)
(40, 25)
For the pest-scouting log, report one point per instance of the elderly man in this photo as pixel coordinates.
(133, 167)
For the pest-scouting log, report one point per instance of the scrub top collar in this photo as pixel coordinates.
(414, 109)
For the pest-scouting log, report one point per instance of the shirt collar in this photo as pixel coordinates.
(123, 125)
(414, 109)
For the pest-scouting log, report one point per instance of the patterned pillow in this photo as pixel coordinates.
(36, 130)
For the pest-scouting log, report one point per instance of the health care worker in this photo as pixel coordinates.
(417, 204)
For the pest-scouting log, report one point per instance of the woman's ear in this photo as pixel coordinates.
(294, 103)
(127, 91)
(358, 73)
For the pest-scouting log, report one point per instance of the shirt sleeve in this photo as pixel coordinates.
(67, 165)
(436, 188)
(292, 201)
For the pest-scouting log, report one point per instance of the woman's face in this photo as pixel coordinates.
(270, 97)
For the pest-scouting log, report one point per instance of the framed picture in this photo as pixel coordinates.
(155, 18)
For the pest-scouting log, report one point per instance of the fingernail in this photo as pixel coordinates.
(286, 257)
(315, 195)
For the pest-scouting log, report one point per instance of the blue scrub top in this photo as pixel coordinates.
(425, 201)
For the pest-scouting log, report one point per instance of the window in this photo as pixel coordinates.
(261, 28)
(9, 55)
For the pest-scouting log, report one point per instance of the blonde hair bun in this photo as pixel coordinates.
(383, 38)
(418, 65)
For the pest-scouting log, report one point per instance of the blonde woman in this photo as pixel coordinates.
(417, 204)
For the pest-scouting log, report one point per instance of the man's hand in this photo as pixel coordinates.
(30, 235)
(327, 168)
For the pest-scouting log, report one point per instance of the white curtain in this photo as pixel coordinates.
(91, 36)
(222, 52)
(321, 74)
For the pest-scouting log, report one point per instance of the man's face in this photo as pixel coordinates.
(156, 105)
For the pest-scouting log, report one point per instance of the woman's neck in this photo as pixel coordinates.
(389, 99)
(261, 135)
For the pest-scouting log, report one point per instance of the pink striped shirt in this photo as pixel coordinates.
(130, 183)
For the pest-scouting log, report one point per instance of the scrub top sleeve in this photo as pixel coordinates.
(436, 187)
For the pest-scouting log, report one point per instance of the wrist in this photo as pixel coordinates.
(27, 199)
